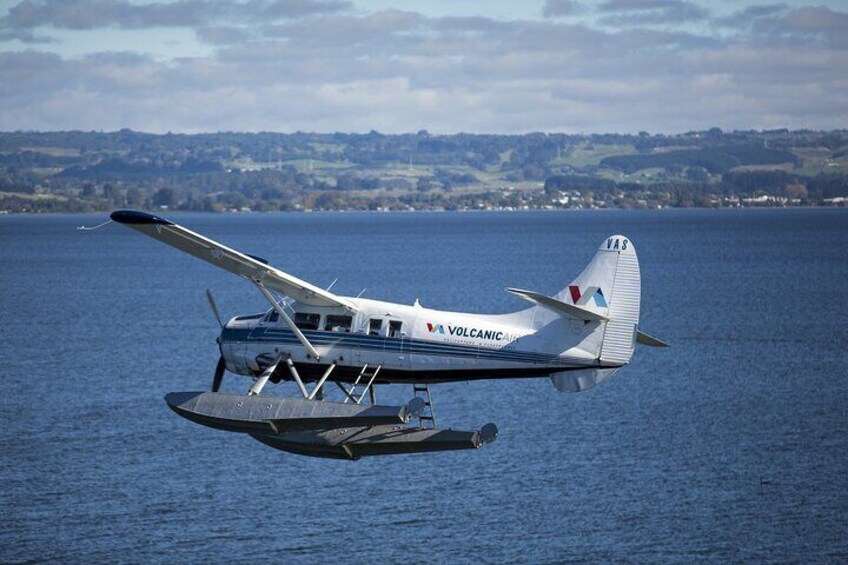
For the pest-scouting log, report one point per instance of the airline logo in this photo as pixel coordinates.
(582, 298)
(474, 333)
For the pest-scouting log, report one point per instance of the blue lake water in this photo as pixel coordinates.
(732, 445)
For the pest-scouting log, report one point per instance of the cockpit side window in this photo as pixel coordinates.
(338, 323)
(272, 316)
(307, 321)
(374, 326)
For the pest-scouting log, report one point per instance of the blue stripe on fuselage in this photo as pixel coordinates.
(386, 344)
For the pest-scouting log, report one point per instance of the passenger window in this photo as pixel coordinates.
(306, 321)
(374, 326)
(338, 323)
(395, 328)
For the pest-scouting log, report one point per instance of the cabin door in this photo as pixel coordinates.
(397, 342)
(373, 347)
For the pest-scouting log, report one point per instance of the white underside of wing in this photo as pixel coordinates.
(240, 264)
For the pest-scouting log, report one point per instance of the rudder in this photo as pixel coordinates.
(620, 334)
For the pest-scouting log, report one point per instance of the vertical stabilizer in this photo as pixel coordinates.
(609, 286)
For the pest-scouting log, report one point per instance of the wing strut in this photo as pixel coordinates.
(299, 334)
(263, 378)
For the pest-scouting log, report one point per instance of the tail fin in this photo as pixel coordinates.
(610, 286)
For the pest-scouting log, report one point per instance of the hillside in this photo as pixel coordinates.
(96, 171)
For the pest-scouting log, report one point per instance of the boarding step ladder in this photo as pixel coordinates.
(364, 379)
(427, 419)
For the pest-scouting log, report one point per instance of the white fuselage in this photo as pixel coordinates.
(579, 336)
(412, 343)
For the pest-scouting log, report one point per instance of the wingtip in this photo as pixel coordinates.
(137, 218)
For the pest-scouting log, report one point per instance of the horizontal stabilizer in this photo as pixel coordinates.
(649, 340)
(558, 306)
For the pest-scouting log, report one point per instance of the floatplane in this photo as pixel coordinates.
(577, 338)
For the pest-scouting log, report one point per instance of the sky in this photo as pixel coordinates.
(447, 66)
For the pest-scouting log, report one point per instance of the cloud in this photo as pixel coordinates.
(92, 14)
(22, 35)
(399, 71)
(387, 26)
(641, 12)
(222, 35)
(810, 25)
(285, 9)
(557, 8)
(814, 20)
(746, 17)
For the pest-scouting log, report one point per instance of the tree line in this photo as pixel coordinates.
(79, 171)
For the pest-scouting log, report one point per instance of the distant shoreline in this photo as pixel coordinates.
(345, 211)
(79, 172)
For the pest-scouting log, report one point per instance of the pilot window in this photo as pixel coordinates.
(395, 328)
(338, 323)
(307, 321)
(272, 316)
(374, 326)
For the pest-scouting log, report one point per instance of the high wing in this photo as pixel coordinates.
(246, 266)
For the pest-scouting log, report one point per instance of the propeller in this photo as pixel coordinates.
(214, 307)
(219, 374)
(222, 365)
